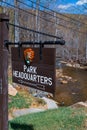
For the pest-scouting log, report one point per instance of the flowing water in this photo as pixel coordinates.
(74, 90)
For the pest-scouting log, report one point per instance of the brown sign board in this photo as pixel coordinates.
(40, 74)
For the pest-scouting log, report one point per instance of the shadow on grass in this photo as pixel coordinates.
(16, 126)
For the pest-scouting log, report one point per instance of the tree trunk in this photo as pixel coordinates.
(16, 19)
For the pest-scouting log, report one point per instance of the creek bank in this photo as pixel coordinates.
(51, 104)
(79, 105)
(75, 65)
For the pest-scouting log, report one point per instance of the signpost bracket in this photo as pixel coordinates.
(19, 46)
(41, 44)
(40, 51)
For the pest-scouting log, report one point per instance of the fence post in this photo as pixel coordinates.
(3, 73)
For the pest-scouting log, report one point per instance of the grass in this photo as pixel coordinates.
(23, 100)
(19, 101)
(59, 119)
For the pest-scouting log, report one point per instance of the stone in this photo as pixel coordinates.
(49, 95)
(76, 65)
(40, 94)
(58, 73)
(68, 77)
(73, 93)
(51, 104)
(11, 90)
(26, 111)
(60, 79)
(64, 82)
(79, 105)
(68, 64)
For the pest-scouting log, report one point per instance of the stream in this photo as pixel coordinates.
(75, 90)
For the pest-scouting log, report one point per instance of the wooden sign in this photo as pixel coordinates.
(40, 74)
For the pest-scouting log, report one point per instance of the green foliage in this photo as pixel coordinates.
(19, 101)
(59, 119)
(10, 79)
(40, 101)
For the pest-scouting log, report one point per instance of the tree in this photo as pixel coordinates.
(16, 19)
(37, 19)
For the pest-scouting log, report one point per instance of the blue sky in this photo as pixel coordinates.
(71, 6)
(63, 6)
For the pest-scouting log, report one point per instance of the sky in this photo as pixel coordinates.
(62, 6)
(71, 6)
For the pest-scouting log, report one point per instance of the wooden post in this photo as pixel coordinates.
(3, 73)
